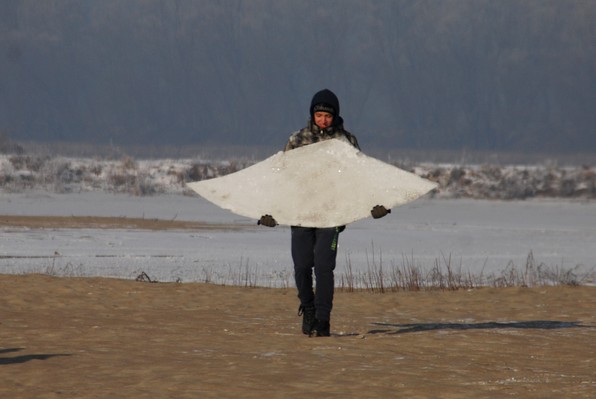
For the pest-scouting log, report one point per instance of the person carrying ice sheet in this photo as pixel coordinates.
(316, 248)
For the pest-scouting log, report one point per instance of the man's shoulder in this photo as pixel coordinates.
(299, 138)
(351, 138)
(302, 132)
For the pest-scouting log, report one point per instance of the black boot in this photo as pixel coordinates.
(308, 318)
(322, 328)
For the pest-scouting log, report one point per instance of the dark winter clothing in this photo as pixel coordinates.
(316, 248)
(325, 101)
(379, 211)
(313, 134)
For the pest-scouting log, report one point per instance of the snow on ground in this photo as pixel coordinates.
(480, 237)
(21, 173)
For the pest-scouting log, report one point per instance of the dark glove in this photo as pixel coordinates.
(267, 220)
(379, 211)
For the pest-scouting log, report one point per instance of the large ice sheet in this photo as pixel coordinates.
(325, 184)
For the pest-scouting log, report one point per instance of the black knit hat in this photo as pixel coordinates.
(324, 101)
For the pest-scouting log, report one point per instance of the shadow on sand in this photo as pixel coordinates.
(417, 327)
(24, 358)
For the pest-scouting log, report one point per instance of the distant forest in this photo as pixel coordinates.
(507, 75)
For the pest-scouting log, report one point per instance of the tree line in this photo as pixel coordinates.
(478, 74)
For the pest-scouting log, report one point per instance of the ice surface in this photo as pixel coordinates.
(479, 236)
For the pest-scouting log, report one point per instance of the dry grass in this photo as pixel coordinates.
(409, 275)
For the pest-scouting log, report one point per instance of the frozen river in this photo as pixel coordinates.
(479, 237)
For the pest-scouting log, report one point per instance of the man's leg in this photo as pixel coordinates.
(324, 262)
(303, 255)
(303, 241)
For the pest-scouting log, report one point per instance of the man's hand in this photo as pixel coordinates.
(379, 211)
(267, 220)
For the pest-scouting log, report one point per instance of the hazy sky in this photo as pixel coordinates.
(478, 74)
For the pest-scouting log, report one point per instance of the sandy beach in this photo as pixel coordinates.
(99, 337)
(112, 338)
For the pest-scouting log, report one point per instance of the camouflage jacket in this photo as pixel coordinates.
(312, 134)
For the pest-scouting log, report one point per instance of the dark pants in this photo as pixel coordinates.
(315, 248)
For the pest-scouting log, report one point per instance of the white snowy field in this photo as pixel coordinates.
(480, 237)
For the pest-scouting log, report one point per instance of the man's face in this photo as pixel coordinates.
(323, 119)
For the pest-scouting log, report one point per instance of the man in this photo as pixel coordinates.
(317, 247)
